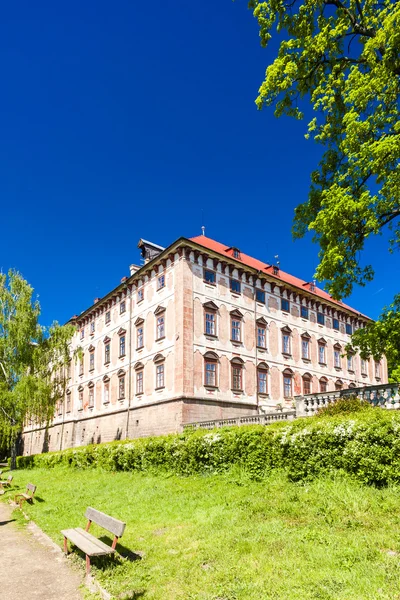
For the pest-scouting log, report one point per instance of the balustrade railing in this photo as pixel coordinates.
(386, 395)
(263, 419)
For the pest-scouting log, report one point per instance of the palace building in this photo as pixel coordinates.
(200, 331)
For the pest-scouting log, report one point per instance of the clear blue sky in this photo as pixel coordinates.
(127, 120)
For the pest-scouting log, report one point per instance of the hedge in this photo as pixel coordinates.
(363, 444)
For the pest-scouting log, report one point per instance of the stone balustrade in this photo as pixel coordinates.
(262, 419)
(385, 396)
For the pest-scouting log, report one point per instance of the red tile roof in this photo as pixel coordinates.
(249, 261)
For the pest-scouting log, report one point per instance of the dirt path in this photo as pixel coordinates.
(31, 567)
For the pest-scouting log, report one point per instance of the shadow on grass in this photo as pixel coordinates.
(38, 499)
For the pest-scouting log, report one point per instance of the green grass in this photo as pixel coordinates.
(224, 537)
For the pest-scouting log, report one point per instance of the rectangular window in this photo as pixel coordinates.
(349, 363)
(106, 396)
(336, 324)
(377, 370)
(122, 307)
(320, 318)
(82, 333)
(91, 361)
(68, 403)
(210, 374)
(286, 343)
(261, 336)
(304, 312)
(160, 327)
(122, 345)
(81, 366)
(287, 387)
(235, 286)
(237, 378)
(107, 352)
(92, 326)
(69, 369)
(262, 382)
(321, 354)
(235, 330)
(209, 276)
(80, 401)
(349, 329)
(363, 367)
(91, 397)
(108, 316)
(140, 295)
(260, 296)
(285, 305)
(337, 359)
(121, 388)
(139, 337)
(160, 282)
(139, 382)
(159, 376)
(210, 323)
(305, 348)
(306, 385)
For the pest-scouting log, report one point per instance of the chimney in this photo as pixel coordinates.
(96, 300)
(123, 279)
(149, 250)
(133, 269)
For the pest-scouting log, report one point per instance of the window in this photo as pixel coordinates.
(91, 396)
(160, 333)
(261, 333)
(107, 351)
(304, 312)
(349, 329)
(81, 366)
(262, 379)
(140, 295)
(260, 296)
(321, 353)
(286, 340)
(236, 253)
(287, 383)
(122, 307)
(320, 318)
(352, 385)
(305, 346)
(237, 374)
(91, 360)
(121, 387)
(121, 345)
(80, 399)
(209, 276)
(92, 327)
(285, 305)
(235, 286)
(210, 369)
(108, 316)
(338, 385)
(306, 383)
(159, 376)
(236, 329)
(336, 324)
(139, 337)
(82, 333)
(377, 370)
(139, 382)
(160, 281)
(106, 392)
(350, 362)
(363, 367)
(337, 357)
(323, 384)
(210, 323)
(68, 403)
(69, 369)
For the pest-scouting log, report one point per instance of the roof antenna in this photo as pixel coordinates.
(277, 260)
(203, 229)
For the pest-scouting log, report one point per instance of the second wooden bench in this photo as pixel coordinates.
(90, 545)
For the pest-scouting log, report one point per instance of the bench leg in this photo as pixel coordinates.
(87, 564)
(65, 546)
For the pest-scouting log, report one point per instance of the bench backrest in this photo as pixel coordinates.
(9, 478)
(31, 488)
(116, 527)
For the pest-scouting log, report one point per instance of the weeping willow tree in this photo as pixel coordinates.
(32, 362)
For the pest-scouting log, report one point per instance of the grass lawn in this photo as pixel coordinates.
(224, 537)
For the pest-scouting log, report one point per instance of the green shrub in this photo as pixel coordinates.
(347, 405)
(365, 444)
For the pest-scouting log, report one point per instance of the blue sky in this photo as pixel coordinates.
(138, 120)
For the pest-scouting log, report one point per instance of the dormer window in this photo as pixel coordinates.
(236, 253)
(275, 270)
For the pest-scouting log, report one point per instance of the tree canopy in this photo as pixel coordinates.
(344, 57)
(32, 360)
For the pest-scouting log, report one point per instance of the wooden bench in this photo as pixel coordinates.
(89, 544)
(28, 495)
(4, 484)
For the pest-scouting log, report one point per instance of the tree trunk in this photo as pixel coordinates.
(15, 450)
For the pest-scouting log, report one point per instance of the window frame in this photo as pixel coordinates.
(260, 296)
(304, 314)
(160, 372)
(305, 339)
(232, 285)
(209, 272)
(322, 346)
(262, 369)
(334, 322)
(91, 360)
(210, 359)
(320, 318)
(323, 382)
(286, 332)
(287, 376)
(237, 375)
(307, 379)
(349, 329)
(122, 307)
(107, 350)
(285, 302)
(107, 317)
(140, 295)
(160, 281)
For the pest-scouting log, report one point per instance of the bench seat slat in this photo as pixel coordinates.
(87, 542)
